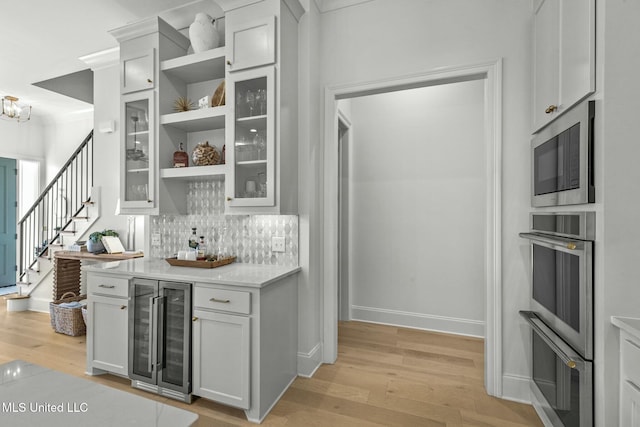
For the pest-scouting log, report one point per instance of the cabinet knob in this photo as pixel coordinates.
(149, 81)
(551, 108)
(122, 307)
(149, 201)
(229, 199)
(194, 319)
(228, 62)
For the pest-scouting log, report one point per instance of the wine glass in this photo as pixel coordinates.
(251, 101)
(260, 144)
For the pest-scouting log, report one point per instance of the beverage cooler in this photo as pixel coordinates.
(160, 338)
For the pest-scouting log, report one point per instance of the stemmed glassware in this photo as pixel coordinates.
(251, 102)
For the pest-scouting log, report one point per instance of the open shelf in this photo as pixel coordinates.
(195, 172)
(196, 120)
(197, 67)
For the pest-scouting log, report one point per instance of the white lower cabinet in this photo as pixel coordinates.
(107, 336)
(221, 349)
(629, 380)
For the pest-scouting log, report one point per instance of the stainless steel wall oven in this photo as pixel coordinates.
(562, 315)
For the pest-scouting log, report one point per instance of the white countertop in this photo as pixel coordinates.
(630, 325)
(237, 274)
(36, 396)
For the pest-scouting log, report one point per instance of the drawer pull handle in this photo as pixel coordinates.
(224, 301)
(194, 319)
(106, 286)
(122, 307)
(550, 109)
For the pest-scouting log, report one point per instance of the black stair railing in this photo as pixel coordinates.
(53, 213)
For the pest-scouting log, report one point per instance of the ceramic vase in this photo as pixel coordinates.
(95, 247)
(203, 33)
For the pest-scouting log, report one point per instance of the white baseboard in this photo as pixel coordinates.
(309, 362)
(516, 388)
(39, 304)
(451, 325)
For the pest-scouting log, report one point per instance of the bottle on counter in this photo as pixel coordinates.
(193, 240)
(202, 250)
(180, 158)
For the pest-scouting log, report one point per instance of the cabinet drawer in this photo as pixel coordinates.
(630, 360)
(222, 299)
(108, 285)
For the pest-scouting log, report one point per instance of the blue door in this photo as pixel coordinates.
(7, 222)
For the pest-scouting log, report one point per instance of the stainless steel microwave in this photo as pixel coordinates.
(562, 159)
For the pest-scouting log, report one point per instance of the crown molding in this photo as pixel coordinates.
(103, 59)
(329, 5)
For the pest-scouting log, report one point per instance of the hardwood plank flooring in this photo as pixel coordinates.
(384, 376)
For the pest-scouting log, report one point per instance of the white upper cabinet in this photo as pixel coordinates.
(564, 57)
(137, 70)
(252, 44)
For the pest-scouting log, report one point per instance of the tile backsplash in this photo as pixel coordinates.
(246, 236)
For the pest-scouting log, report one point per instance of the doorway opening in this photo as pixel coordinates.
(20, 186)
(490, 75)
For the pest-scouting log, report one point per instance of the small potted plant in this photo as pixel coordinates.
(94, 244)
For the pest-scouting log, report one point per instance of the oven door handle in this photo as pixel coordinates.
(554, 241)
(572, 359)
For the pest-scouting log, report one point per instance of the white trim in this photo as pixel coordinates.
(429, 322)
(491, 72)
(103, 59)
(516, 388)
(308, 363)
(329, 5)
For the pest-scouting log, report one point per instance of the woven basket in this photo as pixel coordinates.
(67, 320)
(85, 313)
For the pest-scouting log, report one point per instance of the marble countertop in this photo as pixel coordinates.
(36, 396)
(236, 274)
(630, 325)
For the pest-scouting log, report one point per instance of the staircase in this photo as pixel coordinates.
(65, 210)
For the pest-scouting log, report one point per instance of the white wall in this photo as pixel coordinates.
(22, 140)
(418, 204)
(62, 137)
(617, 268)
(386, 39)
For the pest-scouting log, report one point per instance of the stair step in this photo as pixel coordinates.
(35, 270)
(56, 245)
(16, 296)
(88, 203)
(23, 283)
(80, 218)
(71, 232)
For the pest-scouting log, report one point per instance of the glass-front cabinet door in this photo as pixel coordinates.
(138, 150)
(142, 330)
(251, 133)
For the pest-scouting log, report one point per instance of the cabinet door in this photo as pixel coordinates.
(138, 169)
(577, 51)
(251, 133)
(221, 359)
(137, 71)
(252, 44)
(629, 404)
(546, 59)
(108, 320)
(564, 57)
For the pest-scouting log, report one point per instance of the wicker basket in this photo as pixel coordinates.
(85, 313)
(67, 320)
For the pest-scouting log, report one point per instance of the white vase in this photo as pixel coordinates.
(203, 33)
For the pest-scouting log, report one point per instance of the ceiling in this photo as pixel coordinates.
(43, 39)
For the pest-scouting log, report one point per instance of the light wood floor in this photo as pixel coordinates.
(384, 376)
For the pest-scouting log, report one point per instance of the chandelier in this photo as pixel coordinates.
(11, 110)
